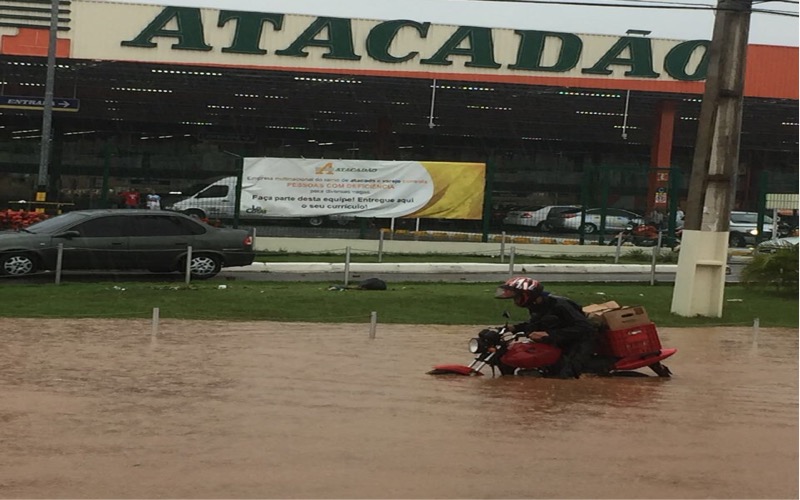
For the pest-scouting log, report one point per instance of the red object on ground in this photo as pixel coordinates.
(18, 219)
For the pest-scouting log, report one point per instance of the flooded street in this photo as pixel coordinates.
(99, 409)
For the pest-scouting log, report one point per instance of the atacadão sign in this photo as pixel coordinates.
(211, 37)
(474, 45)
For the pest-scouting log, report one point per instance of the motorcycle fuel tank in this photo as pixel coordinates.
(531, 355)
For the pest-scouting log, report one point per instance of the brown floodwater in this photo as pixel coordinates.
(99, 409)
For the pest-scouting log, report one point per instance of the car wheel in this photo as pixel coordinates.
(204, 266)
(17, 264)
(544, 227)
(589, 228)
(315, 221)
(737, 240)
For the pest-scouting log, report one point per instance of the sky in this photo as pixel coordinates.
(678, 24)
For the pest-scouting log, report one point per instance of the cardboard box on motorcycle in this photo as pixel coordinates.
(628, 330)
(617, 317)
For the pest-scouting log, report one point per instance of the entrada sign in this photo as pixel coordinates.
(542, 52)
(22, 102)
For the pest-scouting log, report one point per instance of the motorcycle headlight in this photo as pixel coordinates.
(474, 346)
(754, 232)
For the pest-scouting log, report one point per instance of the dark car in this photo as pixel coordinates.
(154, 240)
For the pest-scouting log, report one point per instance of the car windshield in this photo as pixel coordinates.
(56, 223)
(749, 218)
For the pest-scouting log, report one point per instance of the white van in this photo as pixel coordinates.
(217, 201)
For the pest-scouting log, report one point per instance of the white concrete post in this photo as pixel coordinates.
(188, 264)
(347, 266)
(59, 262)
(373, 323)
(154, 330)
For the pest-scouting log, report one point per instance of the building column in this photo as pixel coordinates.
(661, 157)
(383, 138)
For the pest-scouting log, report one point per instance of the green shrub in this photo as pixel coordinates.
(665, 256)
(778, 270)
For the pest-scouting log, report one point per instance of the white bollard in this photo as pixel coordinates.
(656, 251)
(59, 262)
(380, 246)
(756, 323)
(154, 331)
(502, 247)
(511, 262)
(373, 323)
(188, 264)
(347, 266)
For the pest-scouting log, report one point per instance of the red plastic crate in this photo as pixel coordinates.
(632, 341)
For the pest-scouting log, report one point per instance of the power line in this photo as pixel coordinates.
(657, 5)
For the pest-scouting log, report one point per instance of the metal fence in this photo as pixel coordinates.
(569, 204)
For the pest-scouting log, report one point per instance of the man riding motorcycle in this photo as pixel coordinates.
(554, 320)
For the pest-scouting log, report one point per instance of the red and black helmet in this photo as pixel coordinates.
(522, 289)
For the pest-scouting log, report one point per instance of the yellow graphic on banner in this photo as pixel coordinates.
(457, 191)
(325, 169)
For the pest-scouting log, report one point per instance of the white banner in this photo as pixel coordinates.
(284, 187)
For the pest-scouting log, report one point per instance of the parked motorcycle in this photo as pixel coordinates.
(641, 235)
(619, 353)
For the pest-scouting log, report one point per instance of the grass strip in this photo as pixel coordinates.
(409, 303)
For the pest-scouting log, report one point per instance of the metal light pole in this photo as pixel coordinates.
(47, 116)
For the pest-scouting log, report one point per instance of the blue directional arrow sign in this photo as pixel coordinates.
(22, 102)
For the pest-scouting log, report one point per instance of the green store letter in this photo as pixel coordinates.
(480, 51)
(249, 26)
(381, 36)
(189, 32)
(640, 60)
(339, 41)
(531, 48)
(678, 57)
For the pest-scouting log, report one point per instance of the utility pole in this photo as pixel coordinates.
(42, 183)
(700, 279)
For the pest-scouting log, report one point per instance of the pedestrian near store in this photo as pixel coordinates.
(153, 200)
(131, 198)
(657, 218)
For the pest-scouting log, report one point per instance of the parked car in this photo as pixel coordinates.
(539, 218)
(616, 220)
(744, 228)
(772, 246)
(154, 240)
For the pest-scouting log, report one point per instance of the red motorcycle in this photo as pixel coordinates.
(618, 353)
(644, 235)
(640, 235)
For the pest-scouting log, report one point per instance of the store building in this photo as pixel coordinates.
(163, 97)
